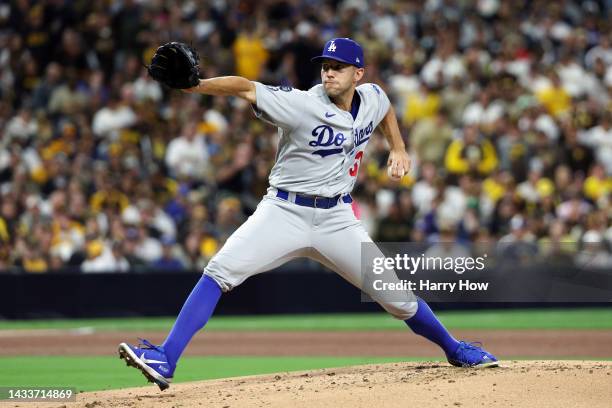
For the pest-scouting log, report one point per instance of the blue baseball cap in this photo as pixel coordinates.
(343, 50)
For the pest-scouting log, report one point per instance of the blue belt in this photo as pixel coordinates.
(315, 201)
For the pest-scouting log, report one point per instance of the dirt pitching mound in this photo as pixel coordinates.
(514, 384)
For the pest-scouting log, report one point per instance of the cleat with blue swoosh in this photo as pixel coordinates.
(472, 355)
(150, 360)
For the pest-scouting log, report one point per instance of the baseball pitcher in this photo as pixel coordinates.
(323, 133)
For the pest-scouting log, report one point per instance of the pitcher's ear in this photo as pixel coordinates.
(359, 72)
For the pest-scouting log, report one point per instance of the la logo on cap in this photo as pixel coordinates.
(332, 47)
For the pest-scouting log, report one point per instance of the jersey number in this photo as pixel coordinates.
(353, 171)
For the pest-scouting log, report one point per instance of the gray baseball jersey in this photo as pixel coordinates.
(320, 149)
(320, 146)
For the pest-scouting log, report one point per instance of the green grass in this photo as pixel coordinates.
(103, 373)
(600, 318)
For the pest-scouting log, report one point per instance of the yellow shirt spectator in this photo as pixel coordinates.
(208, 247)
(35, 265)
(545, 187)
(5, 235)
(250, 55)
(595, 187)
(555, 99)
(104, 198)
(493, 189)
(420, 105)
(461, 157)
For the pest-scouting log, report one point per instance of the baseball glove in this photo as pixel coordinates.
(176, 65)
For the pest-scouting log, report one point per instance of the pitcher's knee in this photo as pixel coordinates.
(219, 280)
(225, 278)
(401, 310)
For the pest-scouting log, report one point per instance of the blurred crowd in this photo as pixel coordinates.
(505, 106)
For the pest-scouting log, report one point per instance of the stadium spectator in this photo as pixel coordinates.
(425, 190)
(397, 225)
(113, 117)
(101, 258)
(472, 153)
(168, 260)
(422, 104)
(430, 138)
(599, 138)
(594, 253)
(519, 244)
(249, 53)
(484, 111)
(187, 155)
(555, 98)
(536, 186)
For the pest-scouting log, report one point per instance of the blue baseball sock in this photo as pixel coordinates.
(196, 311)
(425, 323)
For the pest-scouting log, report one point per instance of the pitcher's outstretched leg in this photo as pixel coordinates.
(157, 363)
